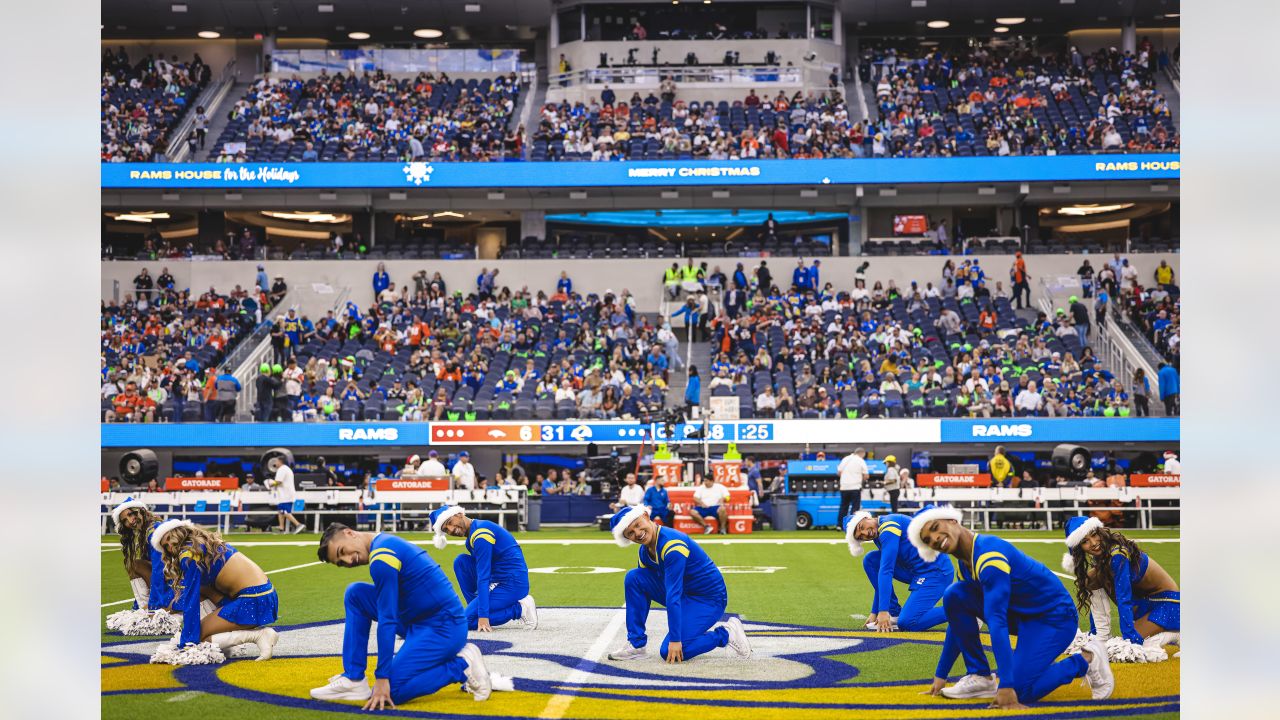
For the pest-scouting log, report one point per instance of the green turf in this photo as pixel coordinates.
(821, 585)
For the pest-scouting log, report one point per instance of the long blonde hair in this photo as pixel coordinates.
(133, 543)
(202, 546)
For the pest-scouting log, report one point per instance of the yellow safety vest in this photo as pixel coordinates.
(690, 273)
(1000, 467)
(672, 277)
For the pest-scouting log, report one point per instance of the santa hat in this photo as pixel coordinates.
(1077, 529)
(622, 520)
(925, 516)
(164, 528)
(438, 518)
(128, 504)
(849, 524)
(413, 459)
(1170, 454)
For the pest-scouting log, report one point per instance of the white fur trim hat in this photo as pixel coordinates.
(438, 518)
(128, 504)
(924, 517)
(622, 520)
(851, 524)
(1078, 528)
(163, 529)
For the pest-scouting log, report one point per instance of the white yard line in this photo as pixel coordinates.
(701, 541)
(559, 703)
(1063, 575)
(269, 572)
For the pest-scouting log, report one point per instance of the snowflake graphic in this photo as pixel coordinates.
(418, 172)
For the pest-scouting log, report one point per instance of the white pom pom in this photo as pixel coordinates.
(142, 622)
(205, 653)
(440, 541)
(1081, 640)
(1068, 562)
(1122, 651)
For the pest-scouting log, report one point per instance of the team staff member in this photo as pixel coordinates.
(432, 467)
(492, 572)
(282, 486)
(896, 560)
(1014, 594)
(464, 473)
(411, 597)
(1108, 565)
(655, 498)
(710, 499)
(892, 482)
(674, 572)
(630, 495)
(853, 476)
(1000, 467)
(198, 562)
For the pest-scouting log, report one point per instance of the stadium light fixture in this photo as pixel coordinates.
(938, 24)
(142, 217)
(889, 192)
(428, 33)
(1011, 20)
(720, 194)
(578, 195)
(497, 195)
(178, 7)
(448, 213)
(358, 35)
(324, 7)
(670, 194)
(706, 2)
(328, 196)
(398, 196)
(808, 193)
(1172, 15)
(472, 7)
(209, 34)
(1001, 29)
(987, 190)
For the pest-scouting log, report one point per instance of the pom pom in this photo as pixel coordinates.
(1120, 650)
(205, 653)
(1079, 643)
(142, 622)
(440, 541)
(1068, 562)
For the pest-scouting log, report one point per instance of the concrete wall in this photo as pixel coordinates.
(584, 55)
(1092, 40)
(215, 53)
(642, 277)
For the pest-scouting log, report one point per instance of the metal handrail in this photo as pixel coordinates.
(209, 99)
(642, 76)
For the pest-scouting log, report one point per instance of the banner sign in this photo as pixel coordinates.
(1079, 430)
(981, 480)
(1145, 480)
(201, 483)
(520, 174)
(669, 470)
(838, 436)
(412, 484)
(680, 500)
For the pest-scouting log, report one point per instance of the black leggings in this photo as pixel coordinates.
(850, 502)
(893, 500)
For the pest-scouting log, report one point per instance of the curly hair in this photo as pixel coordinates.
(204, 547)
(133, 543)
(1091, 575)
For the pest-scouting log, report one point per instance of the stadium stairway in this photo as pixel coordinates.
(1166, 88)
(218, 122)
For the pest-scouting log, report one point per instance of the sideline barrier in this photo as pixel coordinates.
(523, 174)
(744, 432)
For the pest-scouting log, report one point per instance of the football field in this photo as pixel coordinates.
(802, 598)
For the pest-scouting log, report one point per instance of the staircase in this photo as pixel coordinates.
(218, 121)
(1165, 86)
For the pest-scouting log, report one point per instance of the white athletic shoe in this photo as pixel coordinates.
(971, 686)
(529, 612)
(738, 641)
(478, 681)
(706, 530)
(628, 653)
(299, 529)
(341, 687)
(1098, 677)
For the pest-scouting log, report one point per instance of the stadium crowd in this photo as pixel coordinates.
(143, 101)
(161, 346)
(373, 117)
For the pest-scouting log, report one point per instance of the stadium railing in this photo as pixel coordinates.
(210, 100)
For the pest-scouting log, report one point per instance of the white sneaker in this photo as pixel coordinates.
(529, 612)
(478, 682)
(299, 529)
(738, 641)
(628, 653)
(971, 686)
(341, 687)
(1098, 677)
(706, 530)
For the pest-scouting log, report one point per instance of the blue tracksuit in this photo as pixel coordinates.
(1162, 608)
(410, 597)
(251, 606)
(656, 500)
(492, 574)
(1015, 595)
(161, 593)
(684, 580)
(897, 559)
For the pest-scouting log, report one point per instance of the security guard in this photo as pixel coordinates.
(671, 281)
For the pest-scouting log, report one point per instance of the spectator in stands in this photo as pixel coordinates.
(1141, 390)
(381, 281)
(693, 391)
(766, 403)
(1085, 272)
(1164, 276)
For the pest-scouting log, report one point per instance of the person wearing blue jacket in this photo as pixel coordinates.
(381, 281)
(410, 597)
(1170, 388)
(894, 559)
(1109, 566)
(693, 390)
(655, 498)
(492, 573)
(1015, 595)
(675, 572)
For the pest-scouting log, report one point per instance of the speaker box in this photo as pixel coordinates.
(1072, 461)
(138, 467)
(274, 458)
